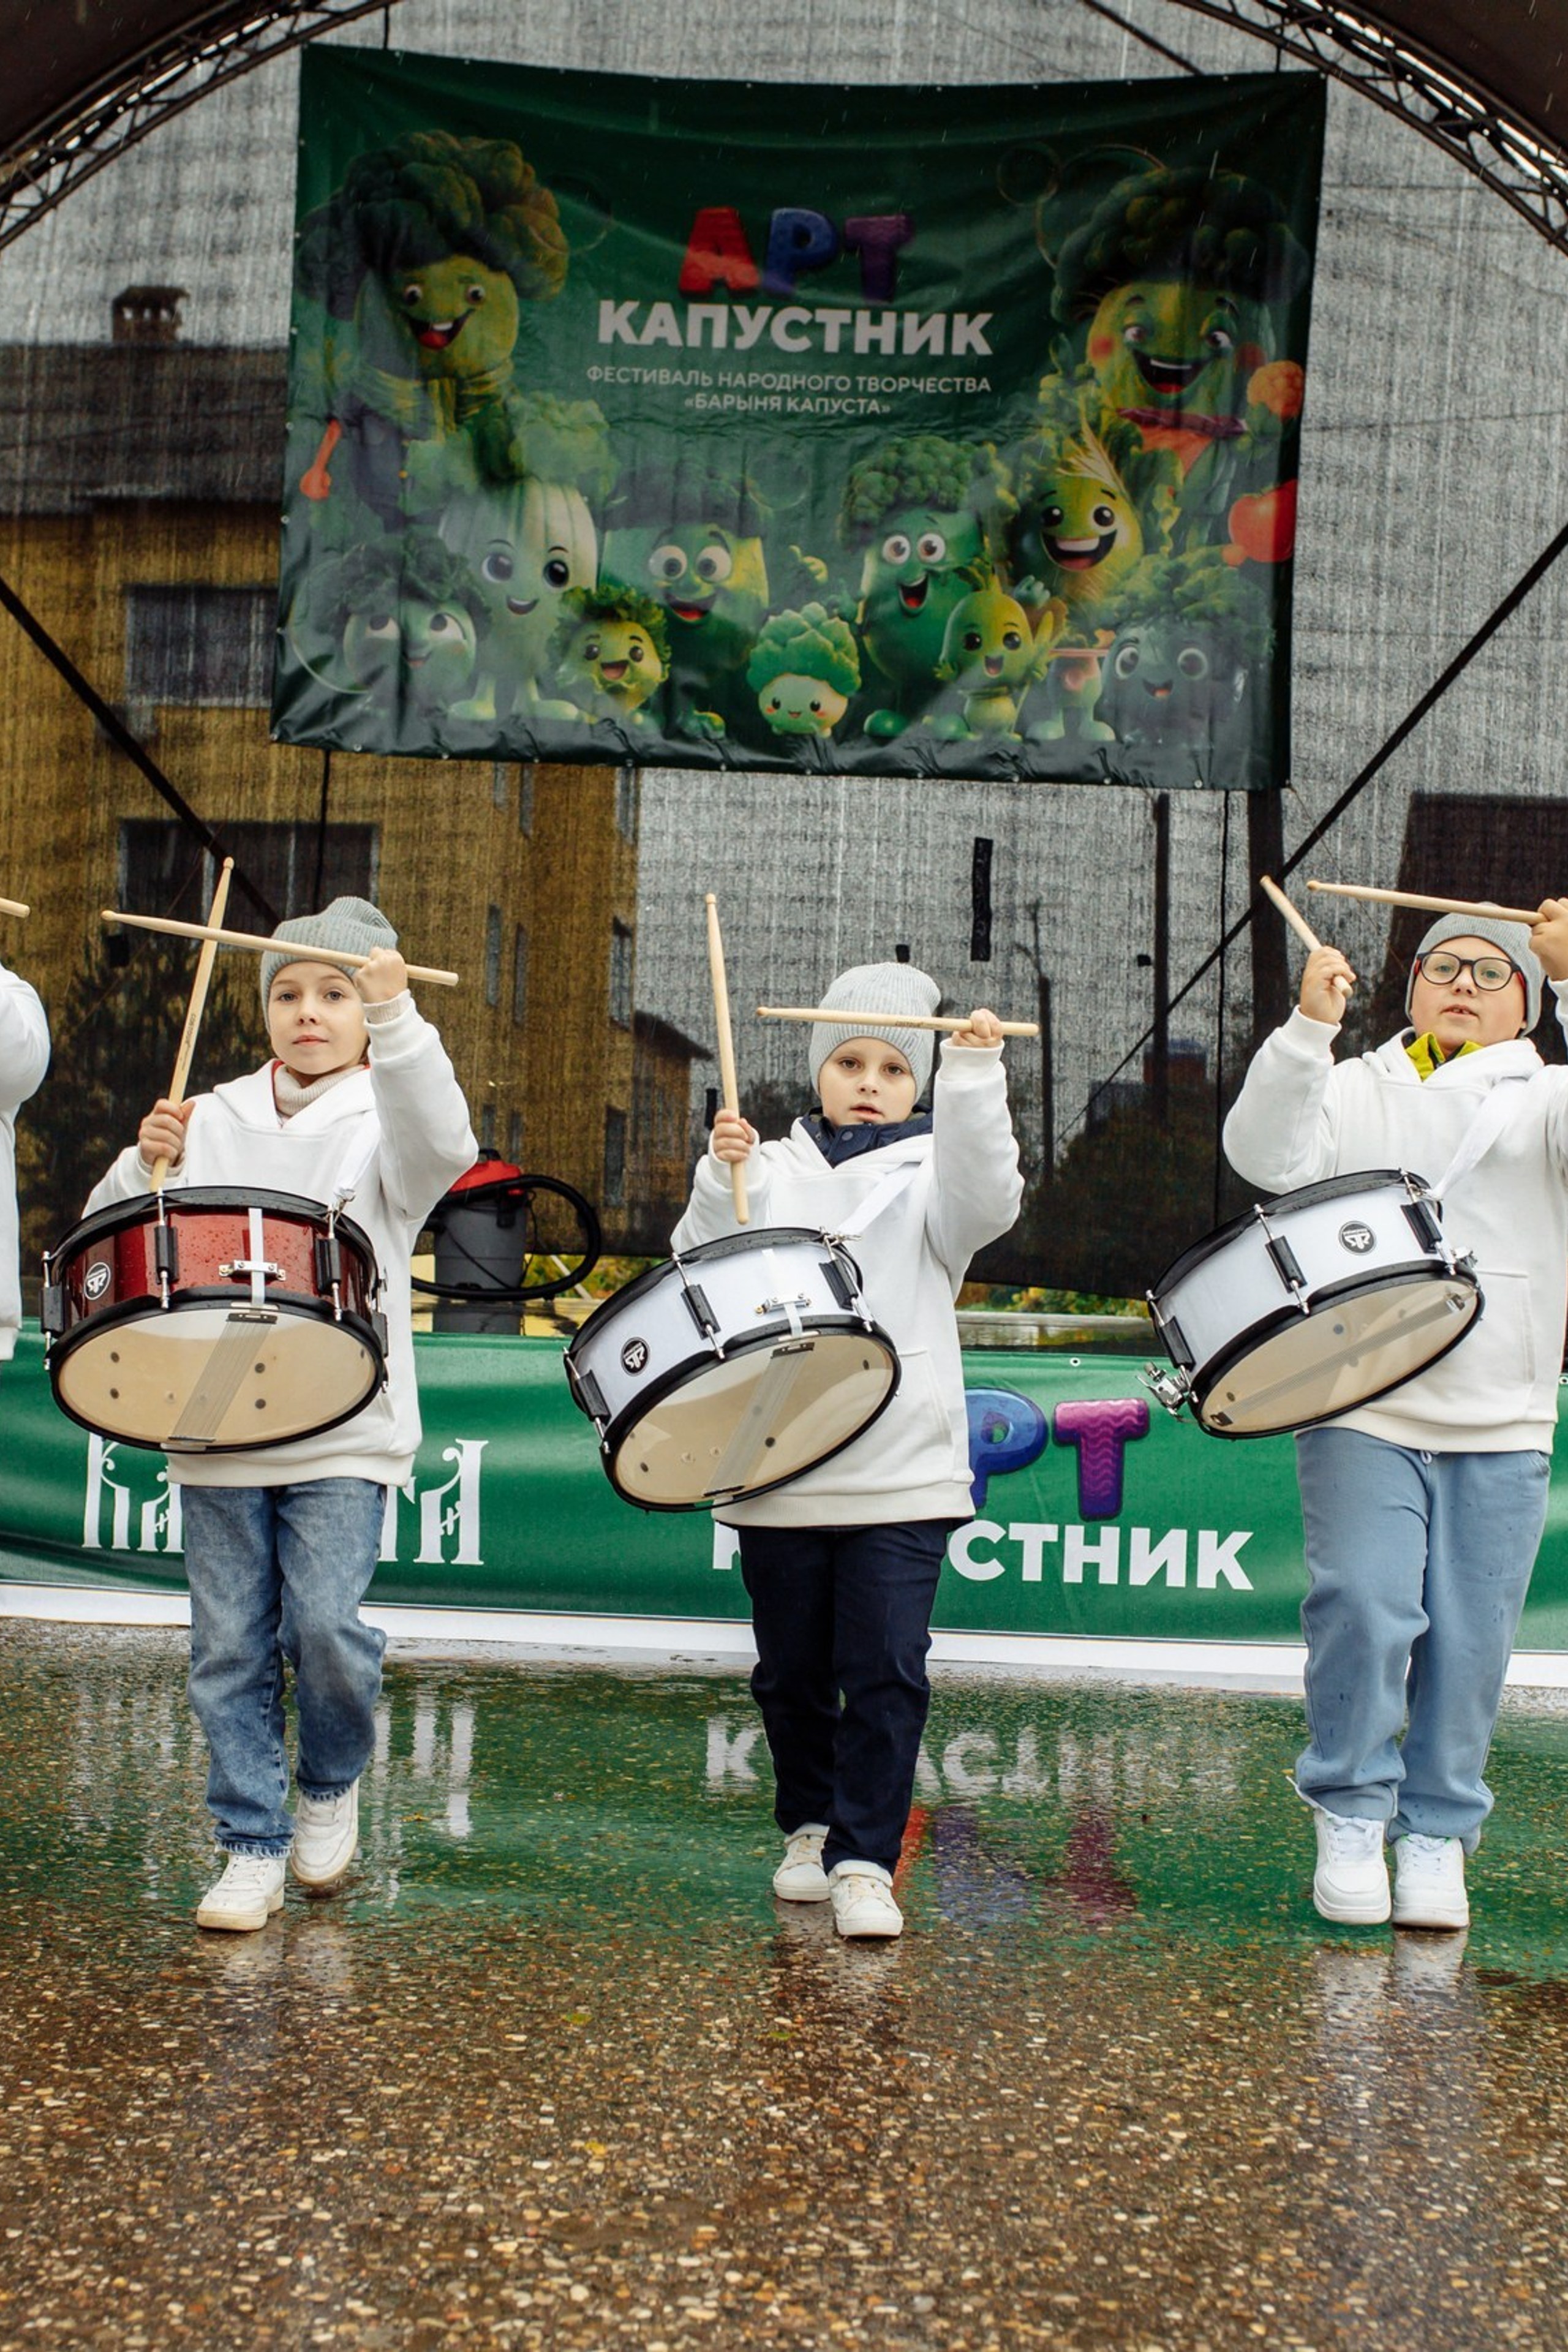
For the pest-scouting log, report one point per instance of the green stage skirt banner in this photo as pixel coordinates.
(877, 431)
(1098, 1516)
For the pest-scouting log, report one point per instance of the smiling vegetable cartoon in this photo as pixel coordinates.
(527, 544)
(1181, 277)
(1177, 674)
(428, 248)
(611, 651)
(990, 660)
(694, 545)
(804, 670)
(926, 516)
(405, 623)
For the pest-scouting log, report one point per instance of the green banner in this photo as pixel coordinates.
(883, 431)
(1096, 1516)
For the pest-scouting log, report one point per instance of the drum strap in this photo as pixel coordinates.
(1482, 1132)
(881, 1196)
(352, 1173)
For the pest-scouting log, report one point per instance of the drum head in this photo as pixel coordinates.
(210, 1379)
(761, 1416)
(1354, 1346)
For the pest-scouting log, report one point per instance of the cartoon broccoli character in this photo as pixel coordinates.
(611, 651)
(529, 543)
(1178, 672)
(404, 614)
(804, 670)
(428, 248)
(1180, 276)
(693, 541)
(990, 660)
(926, 516)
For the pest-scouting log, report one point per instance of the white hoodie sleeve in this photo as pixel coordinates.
(426, 1142)
(23, 1041)
(1282, 1130)
(976, 1185)
(710, 1213)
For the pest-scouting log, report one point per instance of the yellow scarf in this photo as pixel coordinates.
(1428, 1056)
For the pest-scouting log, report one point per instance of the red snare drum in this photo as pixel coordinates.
(210, 1321)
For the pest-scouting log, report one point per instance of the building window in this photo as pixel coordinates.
(525, 797)
(626, 803)
(497, 783)
(621, 975)
(192, 644)
(520, 977)
(493, 927)
(295, 868)
(487, 1128)
(615, 1159)
(514, 1137)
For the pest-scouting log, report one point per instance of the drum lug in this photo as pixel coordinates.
(165, 1255)
(702, 1314)
(51, 1307)
(1285, 1262)
(1173, 1390)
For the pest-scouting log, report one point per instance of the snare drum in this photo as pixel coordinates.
(731, 1369)
(205, 1321)
(1311, 1305)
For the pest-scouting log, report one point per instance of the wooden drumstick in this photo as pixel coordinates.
(1299, 924)
(193, 1011)
(14, 907)
(308, 952)
(727, 1084)
(876, 1021)
(1431, 905)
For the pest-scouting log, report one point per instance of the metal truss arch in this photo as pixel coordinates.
(214, 46)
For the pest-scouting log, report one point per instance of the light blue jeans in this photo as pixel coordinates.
(277, 1574)
(1419, 1565)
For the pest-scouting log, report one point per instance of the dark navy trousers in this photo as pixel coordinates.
(842, 1617)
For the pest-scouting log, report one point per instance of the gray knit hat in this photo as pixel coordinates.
(1513, 939)
(348, 927)
(883, 988)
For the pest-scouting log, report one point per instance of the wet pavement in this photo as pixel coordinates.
(555, 2070)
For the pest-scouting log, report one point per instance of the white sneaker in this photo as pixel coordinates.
(1351, 1881)
(245, 1896)
(863, 1901)
(326, 1833)
(1429, 1882)
(800, 1878)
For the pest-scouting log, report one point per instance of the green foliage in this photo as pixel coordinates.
(586, 606)
(694, 492)
(1217, 228)
(1199, 589)
(919, 469)
(373, 577)
(429, 196)
(811, 643)
(557, 440)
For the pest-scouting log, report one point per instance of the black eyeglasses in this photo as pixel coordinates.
(1490, 971)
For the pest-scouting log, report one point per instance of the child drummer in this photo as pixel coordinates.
(281, 1544)
(24, 1058)
(841, 1564)
(1424, 1509)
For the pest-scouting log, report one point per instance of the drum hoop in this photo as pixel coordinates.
(1209, 1375)
(668, 1382)
(117, 1214)
(1283, 1204)
(728, 1245)
(147, 1307)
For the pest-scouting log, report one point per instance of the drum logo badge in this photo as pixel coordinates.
(97, 1279)
(634, 1355)
(1357, 1237)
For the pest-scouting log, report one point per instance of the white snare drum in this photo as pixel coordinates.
(731, 1369)
(1311, 1305)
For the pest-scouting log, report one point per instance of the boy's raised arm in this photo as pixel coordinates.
(711, 1211)
(977, 1186)
(426, 1142)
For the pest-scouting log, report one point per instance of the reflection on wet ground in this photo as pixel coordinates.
(555, 2070)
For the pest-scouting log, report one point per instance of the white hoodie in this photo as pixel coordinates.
(236, 1138)
(914, 1462)
(1301, 1117)
(24, 1058)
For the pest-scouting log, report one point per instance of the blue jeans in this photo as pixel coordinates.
(277, 1574)
(1419, 1565)
(842, 1617)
